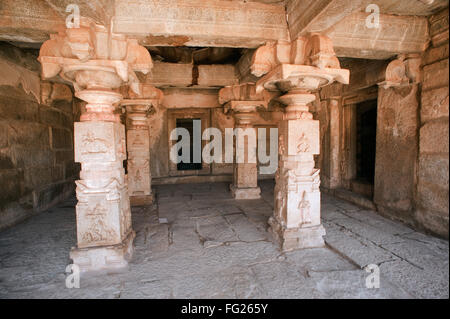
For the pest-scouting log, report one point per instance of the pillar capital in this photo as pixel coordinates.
(97, 62)
(139, 107)
(243, 102)
(75, 53)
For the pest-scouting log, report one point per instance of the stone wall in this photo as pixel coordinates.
(412, 158)
(432, 174)
(396, 151)
(37, 169)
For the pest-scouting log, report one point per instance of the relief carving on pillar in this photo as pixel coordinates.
(95, 145)
(304, 208)
(303, 144)
(98, 230)
(280, 198)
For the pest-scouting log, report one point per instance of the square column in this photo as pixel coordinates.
(245, 169)
(245, 175)
(138, 148)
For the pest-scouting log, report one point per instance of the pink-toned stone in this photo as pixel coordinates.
(98, 62)
(296, 220)
(138, 111)
(242, 101)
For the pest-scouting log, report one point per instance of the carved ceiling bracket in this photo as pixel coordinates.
(402, 71)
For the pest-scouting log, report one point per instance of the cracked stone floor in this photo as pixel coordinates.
(215, 247)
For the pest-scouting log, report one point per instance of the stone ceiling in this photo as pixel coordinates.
(216, 31)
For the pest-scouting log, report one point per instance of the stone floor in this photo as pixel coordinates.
(215, 247)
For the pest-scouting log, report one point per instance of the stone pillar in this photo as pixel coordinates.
(81, 56)
(242, 101)
(138, 149)
(335, 136)
(296, 222)
(104, 230)
(310, 65)
(245, 175)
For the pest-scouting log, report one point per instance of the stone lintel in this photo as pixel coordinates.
(188, 22)
(395, 35)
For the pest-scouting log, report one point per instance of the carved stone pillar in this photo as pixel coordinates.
(138, 148)
(138, 112)
(334, 105)
(242, 101)
(98, 62)
(296, 222)
(245, 175)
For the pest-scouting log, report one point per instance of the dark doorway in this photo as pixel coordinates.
(366, 128)
(188, 124)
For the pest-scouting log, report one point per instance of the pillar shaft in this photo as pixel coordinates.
(138, 148)
(245, 169)
(335, 136)
(104, 233)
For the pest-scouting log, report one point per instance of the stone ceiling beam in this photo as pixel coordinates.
(395, 35)
(189, 75)
(305, 16)
(213, 23)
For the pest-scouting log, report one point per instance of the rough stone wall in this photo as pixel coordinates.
(396, 151)
(36, 127)
(412, 157)
(432, 188)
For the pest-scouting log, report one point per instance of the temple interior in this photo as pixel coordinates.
(121, 129)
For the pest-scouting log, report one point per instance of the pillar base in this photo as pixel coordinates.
(105, 258)
(245, 193)
(142, 200)
(297, 238)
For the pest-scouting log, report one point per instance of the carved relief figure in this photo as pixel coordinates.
(304, 208)
(303, 144)
(94, 145)
(280, 203)
(98, 230)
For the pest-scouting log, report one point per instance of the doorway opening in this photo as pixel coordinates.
(188, 124)
(366, 131)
